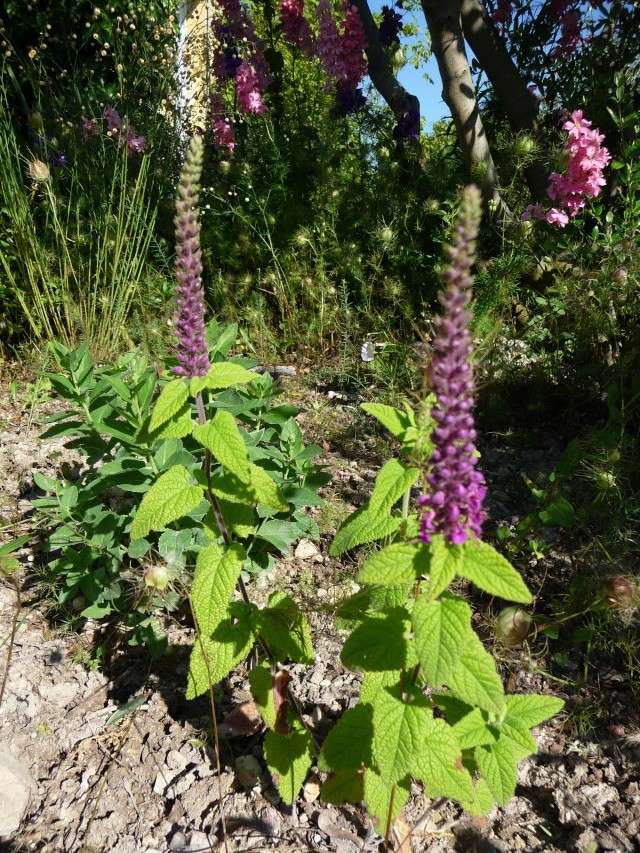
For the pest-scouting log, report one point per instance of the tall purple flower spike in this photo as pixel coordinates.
(453, 504)
(191, 350)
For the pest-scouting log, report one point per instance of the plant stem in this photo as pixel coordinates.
(14, 628)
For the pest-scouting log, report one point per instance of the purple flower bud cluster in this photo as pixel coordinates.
(453, 504)
(191, 350)
(390, 26)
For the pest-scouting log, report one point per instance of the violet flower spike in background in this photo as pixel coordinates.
(191, 350)
(452, 505)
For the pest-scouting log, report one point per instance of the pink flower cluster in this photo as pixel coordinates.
(295, 26)
(248, 90)
(224, 134)
(117, 129)
(583, 177)
(342, 56)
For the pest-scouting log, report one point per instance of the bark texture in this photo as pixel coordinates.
(519, 104)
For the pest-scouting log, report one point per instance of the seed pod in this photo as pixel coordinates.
(156, 576)
(38, 171)
(512, 626)
(619, 592)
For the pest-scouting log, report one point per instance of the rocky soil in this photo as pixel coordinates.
(116, 759)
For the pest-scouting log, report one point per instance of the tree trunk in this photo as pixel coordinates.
(519, 104)
(381, 73)
(458, 91)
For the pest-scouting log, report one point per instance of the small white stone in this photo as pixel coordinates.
(305, 550)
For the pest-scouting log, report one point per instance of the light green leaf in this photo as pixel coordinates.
(213, 659)
(475, 679)
(482, 801)
(222, 374)
(344, 787)
(171, 497)
(179, 426)
(392, 482)
(374, 682)
(384, 800)
(437, 762)
(399, 730)
(286, 629)
(361, 527)
(490, 571)
(261, 683)
(239, 519)
(379, 642)
(442, 631)
(171, 400)
(472, 730)
(392, 566)
(215, 578)
(530, 710)
(289, 758)
(401, 423)
(265, 490)
(499, 766)
(223, 439)
(519, 737)
(441, 562)
(348, 744)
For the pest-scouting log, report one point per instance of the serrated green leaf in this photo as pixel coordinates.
(171, 497)
(442, 631)
(239, 519)
(222, 374)
(392, 482)
(482, 801)
(473, 730)
(261, 683)
(520, 738)
(437, 762)
(392, 566)
(216, 575)
(224, 441)
(399, 729)
(440, 560)
(499, 766)
(490, 571)
(379, 642)
(348, 746)
(171, 400)
(213, 659)
(286, 629)
(265, 490)
(374, 682)
(289, 758)
(401, 423)
(475, 679)
(530, 709)
(346, 787)
(361, 527)
(384, 800)
(180, 426)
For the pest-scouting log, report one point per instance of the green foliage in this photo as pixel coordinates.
(423, 637)
(289, 758)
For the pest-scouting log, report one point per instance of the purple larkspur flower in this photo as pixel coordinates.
(135, 142)
(390, 26)
(191, 349)
(452, 504)
(349, 98)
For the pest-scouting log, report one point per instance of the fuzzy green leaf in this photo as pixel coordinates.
(213, 659)
(344, 787)
(441, 562)
(399, 730)
(171, 400)
(519, 737)
(442, 630)
(475, 679)
(215, 578)
(265, 490)
(239, 519)
(261, 683)
(499, 766)
(222, 374)
(348, 744)
(482, 801)
(223, 439)
(392, 482)
(391, 566)
(401, 423)
(472, 730)
(289, 758)
(361, 527)
(178, 426)
(171, 497)
(374, 682)
(286, 629)
(437, 762)
(530, 710)
(384, 800)
(490, 571)
(379, 642)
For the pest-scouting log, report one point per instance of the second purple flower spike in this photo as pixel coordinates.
(453, 504)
